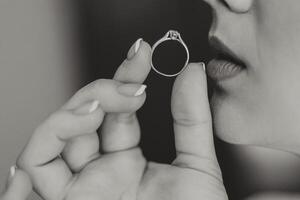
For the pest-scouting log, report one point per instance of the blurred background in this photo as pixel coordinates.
(50, 49)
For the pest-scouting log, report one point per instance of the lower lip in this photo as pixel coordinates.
(219, 69)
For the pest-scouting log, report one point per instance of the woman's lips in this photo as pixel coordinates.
(226, 64)
(221, 69)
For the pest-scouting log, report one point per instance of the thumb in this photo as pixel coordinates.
(18, 185)
(192, 122)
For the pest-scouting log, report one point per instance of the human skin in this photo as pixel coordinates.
(18, 185)
(121, 171)
(259, 106)
(256, 107)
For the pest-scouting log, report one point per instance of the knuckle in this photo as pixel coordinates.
(49, 128)
(186, 117)
(206, 165)
(100, 84)
(22, 162)
(188, 121)
(46, 127)
(93, 86)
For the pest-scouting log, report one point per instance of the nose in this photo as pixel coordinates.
(238, 6)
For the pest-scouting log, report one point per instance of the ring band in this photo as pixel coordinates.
(170, 35)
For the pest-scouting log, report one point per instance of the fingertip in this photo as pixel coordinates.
(136, 102)
(192, 80)
(139, 50)
(134, 49)
(85, 124)
(145, 48)
(195, 69)
(137, 68)
(131, 90)
(143, 56)
(145, 53)
(87, 108)
(201, 65)
(193, 75)
(142, 47)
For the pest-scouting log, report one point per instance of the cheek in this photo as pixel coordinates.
(277, 30)
(281, 92)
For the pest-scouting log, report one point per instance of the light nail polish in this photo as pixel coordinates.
(134, 49)
(131, 89)
(140, 91)
(12, 171)
(94, 106)
(203, 65)
(137, 45)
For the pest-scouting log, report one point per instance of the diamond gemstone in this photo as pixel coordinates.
(174, 35)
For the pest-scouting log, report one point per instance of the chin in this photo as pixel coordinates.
(235, 125)
(231, 126)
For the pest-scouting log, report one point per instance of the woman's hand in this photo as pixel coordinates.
(120, 171)
(18, 185)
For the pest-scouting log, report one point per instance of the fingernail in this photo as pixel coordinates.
(12, 172)
(137, 45)
(94, 106)
(132, 89)
(87, 108)
(203, 65)
(134, 49)
(140, 91)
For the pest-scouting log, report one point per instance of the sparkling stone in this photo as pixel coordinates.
(174, 35)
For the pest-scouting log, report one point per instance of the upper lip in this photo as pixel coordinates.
(222, 51)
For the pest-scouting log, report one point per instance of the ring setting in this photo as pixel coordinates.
(175, 36)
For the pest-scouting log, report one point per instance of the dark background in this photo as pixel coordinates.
(107, 29)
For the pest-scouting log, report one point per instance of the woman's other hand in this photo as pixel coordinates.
(63, 156)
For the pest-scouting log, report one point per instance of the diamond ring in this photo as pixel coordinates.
(175, 36)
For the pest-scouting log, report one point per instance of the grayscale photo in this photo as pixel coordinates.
(149, 100)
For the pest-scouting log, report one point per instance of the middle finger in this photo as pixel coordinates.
(121, 131)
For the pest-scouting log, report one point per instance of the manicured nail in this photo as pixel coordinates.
(203, 65)
(137, 45)
(12, 172)
(140, 91)
(134, 49)
(87, 108)
(132, 89)
(94, 106)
